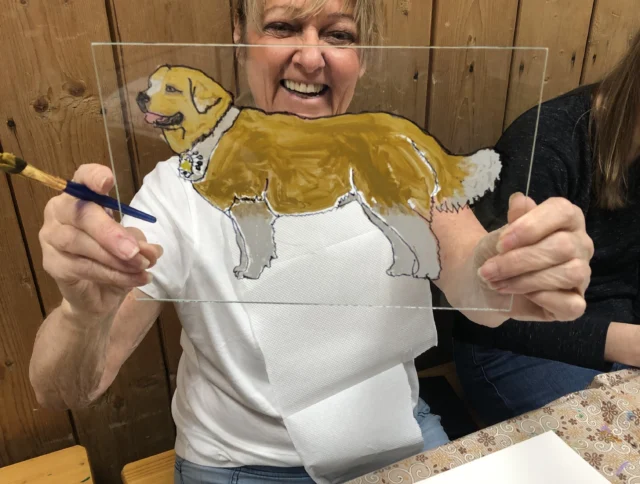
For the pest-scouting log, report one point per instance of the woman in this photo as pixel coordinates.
(226, 425)
(587, 151)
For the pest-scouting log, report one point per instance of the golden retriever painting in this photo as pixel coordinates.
(256, 167)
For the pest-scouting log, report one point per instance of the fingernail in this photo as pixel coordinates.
(488, 271)
(506, 242)
(103, 183)
(513, 195)
(128, 249)
(144, 263)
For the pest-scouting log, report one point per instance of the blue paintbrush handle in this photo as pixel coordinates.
(84, 193)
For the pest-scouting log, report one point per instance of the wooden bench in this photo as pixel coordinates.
(157, 469)
(67, 466)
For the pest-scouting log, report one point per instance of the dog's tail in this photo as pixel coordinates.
(483, 171)
(459, 180)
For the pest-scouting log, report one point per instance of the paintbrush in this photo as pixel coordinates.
(13, 165)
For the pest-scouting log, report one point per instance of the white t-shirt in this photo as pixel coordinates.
(222, 406)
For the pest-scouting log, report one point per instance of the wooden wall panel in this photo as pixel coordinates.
(468, 89)
(544, 24)
(192, 21)
(615, 22)
(51, 98)
(397, 80)
(26, 431)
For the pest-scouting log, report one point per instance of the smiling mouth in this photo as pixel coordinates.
(306, 91)
(164, 121)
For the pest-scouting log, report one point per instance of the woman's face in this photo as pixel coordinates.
(307, 81)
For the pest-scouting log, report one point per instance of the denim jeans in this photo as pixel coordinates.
(501, 385)
(190, 473)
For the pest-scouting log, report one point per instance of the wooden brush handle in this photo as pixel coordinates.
(44, 178)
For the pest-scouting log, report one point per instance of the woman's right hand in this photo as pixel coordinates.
(94, 260)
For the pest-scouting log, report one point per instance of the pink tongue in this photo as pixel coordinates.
(152, 117)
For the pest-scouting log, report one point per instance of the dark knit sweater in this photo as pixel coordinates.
(563, 168)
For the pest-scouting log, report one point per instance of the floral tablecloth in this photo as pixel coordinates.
(601, 423)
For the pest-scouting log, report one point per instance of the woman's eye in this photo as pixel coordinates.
(170, 88)
(341, 37)
(280, 28)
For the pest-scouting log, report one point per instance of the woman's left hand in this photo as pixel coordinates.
(541, 257)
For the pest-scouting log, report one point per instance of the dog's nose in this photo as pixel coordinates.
(143, 100)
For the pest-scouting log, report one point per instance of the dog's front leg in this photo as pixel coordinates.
(254, 231)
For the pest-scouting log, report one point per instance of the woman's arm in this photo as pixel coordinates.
(623, 344)
(77, 355)
(541, 258)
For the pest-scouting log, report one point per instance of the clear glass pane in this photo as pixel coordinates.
(330, 211)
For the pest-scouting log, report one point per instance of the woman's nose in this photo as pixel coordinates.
(310, 57)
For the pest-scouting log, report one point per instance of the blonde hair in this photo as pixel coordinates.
(614, 121)
(368, 16)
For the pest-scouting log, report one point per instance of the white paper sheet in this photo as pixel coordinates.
(544, 459)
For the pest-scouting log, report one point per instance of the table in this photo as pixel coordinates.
(601, 423)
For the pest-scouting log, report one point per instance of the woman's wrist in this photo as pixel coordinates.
(623, 344)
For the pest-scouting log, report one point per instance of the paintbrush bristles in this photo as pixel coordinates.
(44, 178)
(13, 165)
(10, 163)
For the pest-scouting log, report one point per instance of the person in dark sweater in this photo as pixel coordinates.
(588, 151)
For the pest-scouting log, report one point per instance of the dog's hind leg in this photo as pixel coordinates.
(254, 231)
(405, 261)
(244, 259)
(416, 232)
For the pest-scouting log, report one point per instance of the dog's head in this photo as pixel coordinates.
(184, 102)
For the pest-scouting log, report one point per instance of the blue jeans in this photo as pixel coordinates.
(189, 473)
(501, 385)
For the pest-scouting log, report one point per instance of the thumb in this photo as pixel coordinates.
(519, 204)
(98, 178)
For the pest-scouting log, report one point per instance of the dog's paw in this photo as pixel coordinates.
(431, 273)
(399, 268)
(252, 272)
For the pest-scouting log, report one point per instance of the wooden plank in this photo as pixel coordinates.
(190, 21)
(157, 469)
(468, 89)
(25, 430)
(51, 96)
(614, 24)
(543, 24)
(397, 79)
(66, 466)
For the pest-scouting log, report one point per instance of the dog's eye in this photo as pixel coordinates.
(170, 88)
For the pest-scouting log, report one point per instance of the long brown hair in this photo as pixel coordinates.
(614, 125)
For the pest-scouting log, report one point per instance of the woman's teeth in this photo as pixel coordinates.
(304, 88)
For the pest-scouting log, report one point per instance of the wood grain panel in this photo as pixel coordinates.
(614, 24)
(50, 94)
(543, 24)
(397, 79)
(26, 431)
(468, 89)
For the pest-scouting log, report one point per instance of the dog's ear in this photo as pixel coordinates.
(202, 97)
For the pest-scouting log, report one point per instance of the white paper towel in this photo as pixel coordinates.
(366, 427)
(337, 372)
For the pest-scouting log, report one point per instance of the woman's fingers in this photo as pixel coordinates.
(557, 249)
(95, 222)
(72, 241)
(70, 269)
(519, 204)
(572, 275)
(558, 305)
(98, 178)
(554, 215)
